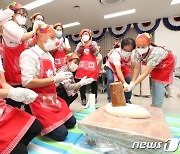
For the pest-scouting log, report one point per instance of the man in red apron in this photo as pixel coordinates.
(62, 48)
(159, 63)
(14, 40)
(118, 62)
(17, 128)
(88, 50)
(37, 67)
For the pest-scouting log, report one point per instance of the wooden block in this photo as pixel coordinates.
(117, 94)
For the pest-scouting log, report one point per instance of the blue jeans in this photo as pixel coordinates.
(110, 79)
(158, 91)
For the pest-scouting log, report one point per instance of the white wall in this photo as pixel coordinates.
(166, 37)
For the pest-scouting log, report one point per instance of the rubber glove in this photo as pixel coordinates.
(86, 81)
(22, 95)
(61, 76)
(131, 86)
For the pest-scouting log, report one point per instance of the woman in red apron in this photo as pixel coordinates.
(17, 128)
(118, 62)
(14, 44)
(62, 48)
(88, 50)
(38, 69)
(159, 63)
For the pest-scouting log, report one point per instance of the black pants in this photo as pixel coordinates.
(32, 132)
(60, 133)
(12, 102)
(93, 86)
(61, 92)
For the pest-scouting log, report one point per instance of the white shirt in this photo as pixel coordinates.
(30, 65)
(65, 43)
(1, 66)
(114, 58)
(12, 33)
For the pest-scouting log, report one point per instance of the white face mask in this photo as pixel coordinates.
(141, 51)
(85, 38)
(21, 20)
(49, 45)
(73, 67)
(125, 54)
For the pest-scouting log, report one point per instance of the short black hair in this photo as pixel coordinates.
(128, 41)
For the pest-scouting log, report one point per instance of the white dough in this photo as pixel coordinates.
(129, 111)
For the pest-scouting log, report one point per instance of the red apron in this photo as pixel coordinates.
(14, 123)
(11, 63)
(87, 66)
(124, 67)
(59, 57)
(49, 109)
(163, 72)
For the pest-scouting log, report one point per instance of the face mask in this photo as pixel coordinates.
(73, 67)
(85, 38)
(141, 51)
(21, 20)
(125, 54)
(58, 33)
(49, 45)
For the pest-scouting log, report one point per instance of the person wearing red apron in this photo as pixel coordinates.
(159, 63)
(37, 67)
(14, 40)
(17, 128)
(62, 47)
(68, 90)
(88, 50)
(118, 63)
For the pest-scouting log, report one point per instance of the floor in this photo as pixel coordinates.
(171, 105)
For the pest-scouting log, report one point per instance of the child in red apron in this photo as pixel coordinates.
(118, 62)
(62, 47)
(68, 90)
(17, 128)
(14, 44)
(159, 63)
(37, 67)
(88, 50)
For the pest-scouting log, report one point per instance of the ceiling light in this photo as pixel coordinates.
(175, 2)
(71, 24)
(36, 4)
(120, 13)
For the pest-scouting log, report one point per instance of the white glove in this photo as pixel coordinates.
(61, 76)
(5, 15)
(85, 81)
(36, 23)
(131, 86)
(66, 81)
(22, 95)
(125, 85)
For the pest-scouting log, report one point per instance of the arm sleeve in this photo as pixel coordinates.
(77, 47)
(115, 58)
(12, 32)
(1, 66)
(156, 56)
(28, 65)
(135, 56)
(67, 45)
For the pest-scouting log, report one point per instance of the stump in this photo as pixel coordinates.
(117, 94)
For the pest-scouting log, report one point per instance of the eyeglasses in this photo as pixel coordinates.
(23, 15)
